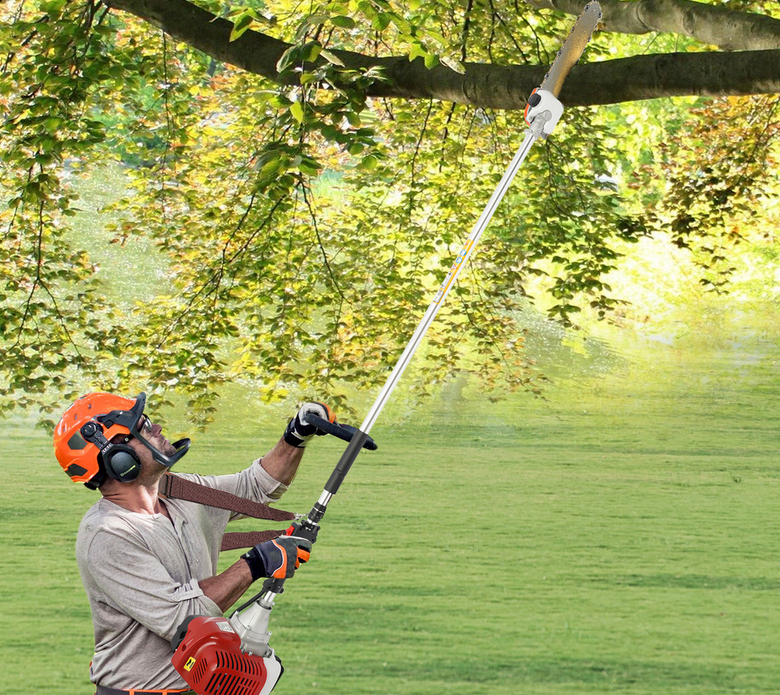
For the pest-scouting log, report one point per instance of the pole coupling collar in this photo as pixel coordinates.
(544, 105)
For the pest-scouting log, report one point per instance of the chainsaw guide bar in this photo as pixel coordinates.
(572, 49)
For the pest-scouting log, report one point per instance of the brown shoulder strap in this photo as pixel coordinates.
(248, 539)
(176, 487)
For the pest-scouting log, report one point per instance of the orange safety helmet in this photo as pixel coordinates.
(83, 446)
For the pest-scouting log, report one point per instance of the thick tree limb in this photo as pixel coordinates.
(715, 25)
(608, 82)
(487, 86)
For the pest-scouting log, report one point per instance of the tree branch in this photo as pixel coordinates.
(715, 25)
(482, 85)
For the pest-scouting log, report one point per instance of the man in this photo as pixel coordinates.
(148, 563)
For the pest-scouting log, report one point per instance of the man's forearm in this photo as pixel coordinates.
(226, 588)
(281, 463)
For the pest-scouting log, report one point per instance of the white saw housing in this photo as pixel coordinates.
(547, 107)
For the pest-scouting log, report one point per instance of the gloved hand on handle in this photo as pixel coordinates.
(278, 558)
(299, 432)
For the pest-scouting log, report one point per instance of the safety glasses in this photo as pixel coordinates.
(145, 425)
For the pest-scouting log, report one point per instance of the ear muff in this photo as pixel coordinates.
(122, 463)
(119, 461)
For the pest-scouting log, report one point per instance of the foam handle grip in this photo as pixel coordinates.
(345, 432)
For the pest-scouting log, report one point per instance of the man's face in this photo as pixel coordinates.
(153, 434)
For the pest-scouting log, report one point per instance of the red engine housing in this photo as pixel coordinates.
(210, 660)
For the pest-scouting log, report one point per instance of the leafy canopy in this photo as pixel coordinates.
(304, 226)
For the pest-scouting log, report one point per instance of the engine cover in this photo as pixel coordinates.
(207, 655)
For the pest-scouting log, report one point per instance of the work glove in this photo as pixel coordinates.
(278, 558)
(299, 432)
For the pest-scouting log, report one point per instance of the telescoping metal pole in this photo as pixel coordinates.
(542, 115)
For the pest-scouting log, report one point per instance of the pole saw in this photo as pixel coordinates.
(221, 656)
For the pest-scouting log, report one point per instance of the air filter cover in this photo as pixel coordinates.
(210, 660)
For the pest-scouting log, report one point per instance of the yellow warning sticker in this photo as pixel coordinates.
(454, 270)
(190, 663)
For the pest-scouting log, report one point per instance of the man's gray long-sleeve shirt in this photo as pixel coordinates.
(141, 574)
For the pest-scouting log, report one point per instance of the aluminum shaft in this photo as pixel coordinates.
(531, 135)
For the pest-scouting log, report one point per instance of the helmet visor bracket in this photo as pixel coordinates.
(135, 421)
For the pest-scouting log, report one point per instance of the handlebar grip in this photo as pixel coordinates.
(345, 432)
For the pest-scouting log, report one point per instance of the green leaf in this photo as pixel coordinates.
(431, 60)
(241, 25)
(343, 22)
(332, 58)
(381, 21)
(271, 166)
(296, 109)
(453, 64)
(417, 50)
(436, 36)
(311, 51)
(286, 59)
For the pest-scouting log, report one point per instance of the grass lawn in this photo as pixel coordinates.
(619, 537)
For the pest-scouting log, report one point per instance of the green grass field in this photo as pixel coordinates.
(619, 537)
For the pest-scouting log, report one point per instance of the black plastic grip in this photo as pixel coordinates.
(345, 432)
(275, 585)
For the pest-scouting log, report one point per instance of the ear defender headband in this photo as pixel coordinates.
(120, 461)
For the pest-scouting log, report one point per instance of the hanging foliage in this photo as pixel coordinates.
(303, 221)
